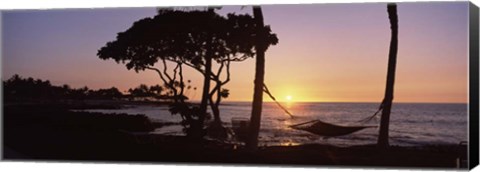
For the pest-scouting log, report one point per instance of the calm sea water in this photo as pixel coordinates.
(411, 124)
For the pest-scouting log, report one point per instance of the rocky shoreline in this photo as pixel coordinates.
(49, 133)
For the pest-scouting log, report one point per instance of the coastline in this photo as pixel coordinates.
(53, 134)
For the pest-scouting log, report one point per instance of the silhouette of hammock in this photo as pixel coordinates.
(323, 128)
(326, 129)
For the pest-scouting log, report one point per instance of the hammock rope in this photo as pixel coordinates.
(265, 89)
(380, 108)
(319, 127)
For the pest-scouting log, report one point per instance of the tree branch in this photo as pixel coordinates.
(159, 73)
(175, 72)
(228, 74)
(182, 84)
(165, 70)
(212, 76)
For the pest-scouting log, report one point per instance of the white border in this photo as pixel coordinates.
(55, 4)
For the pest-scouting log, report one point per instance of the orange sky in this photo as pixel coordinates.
(326, 52)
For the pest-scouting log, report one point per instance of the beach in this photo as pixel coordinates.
(52, 133)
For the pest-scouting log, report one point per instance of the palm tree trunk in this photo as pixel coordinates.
(256, 115)
(392, 60)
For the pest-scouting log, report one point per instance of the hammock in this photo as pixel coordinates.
(325, 129)
(322, 128)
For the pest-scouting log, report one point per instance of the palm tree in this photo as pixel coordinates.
(260, 48)
(392, 60)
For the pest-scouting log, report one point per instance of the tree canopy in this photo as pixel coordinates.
(182, 36)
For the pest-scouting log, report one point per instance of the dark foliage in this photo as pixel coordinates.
(21, 89)
(164, 37)
(18, 88)
(191, 38)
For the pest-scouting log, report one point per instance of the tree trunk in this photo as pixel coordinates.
(216, 129)
(256, 115)
(206, 86)
(392, 60)
(216, 115)
(214, 105)
(206, 83)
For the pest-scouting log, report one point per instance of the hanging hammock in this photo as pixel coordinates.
(326, 129)
(322, 128)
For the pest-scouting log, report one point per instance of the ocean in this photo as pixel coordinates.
(411, 124)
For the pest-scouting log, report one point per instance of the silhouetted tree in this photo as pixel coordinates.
(77, 94)
(261, 45)
(242, 37)
(201, 37)
(208, 67)
(392, 60)
(156, 89)
(17, 88)
(109, 93)
(161, 39)
(142, 91)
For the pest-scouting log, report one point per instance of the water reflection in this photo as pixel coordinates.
(288, 105)
(411, 124)
(289, 143)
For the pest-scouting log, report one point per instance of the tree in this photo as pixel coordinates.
(111, 93)
(201, 38)
(163, 39)
(17, 88)
(156, 90)
(261, 46)
(208, 68)
(77, 94)
(392, 60)
(142, 91)
(243, 38)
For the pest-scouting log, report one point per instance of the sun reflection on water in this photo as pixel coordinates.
(288, 104)
(289, 143)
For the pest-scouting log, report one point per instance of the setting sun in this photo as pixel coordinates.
(289, 98)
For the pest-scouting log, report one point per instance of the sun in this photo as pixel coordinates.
(289, 98)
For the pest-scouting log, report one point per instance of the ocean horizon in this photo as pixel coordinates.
(270, 101)
(411, 124)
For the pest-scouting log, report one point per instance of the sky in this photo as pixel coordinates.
(326, 52)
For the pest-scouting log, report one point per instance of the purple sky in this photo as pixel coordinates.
(326, 52)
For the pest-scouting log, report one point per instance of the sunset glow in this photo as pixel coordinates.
(328, 60)
(288, 98)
